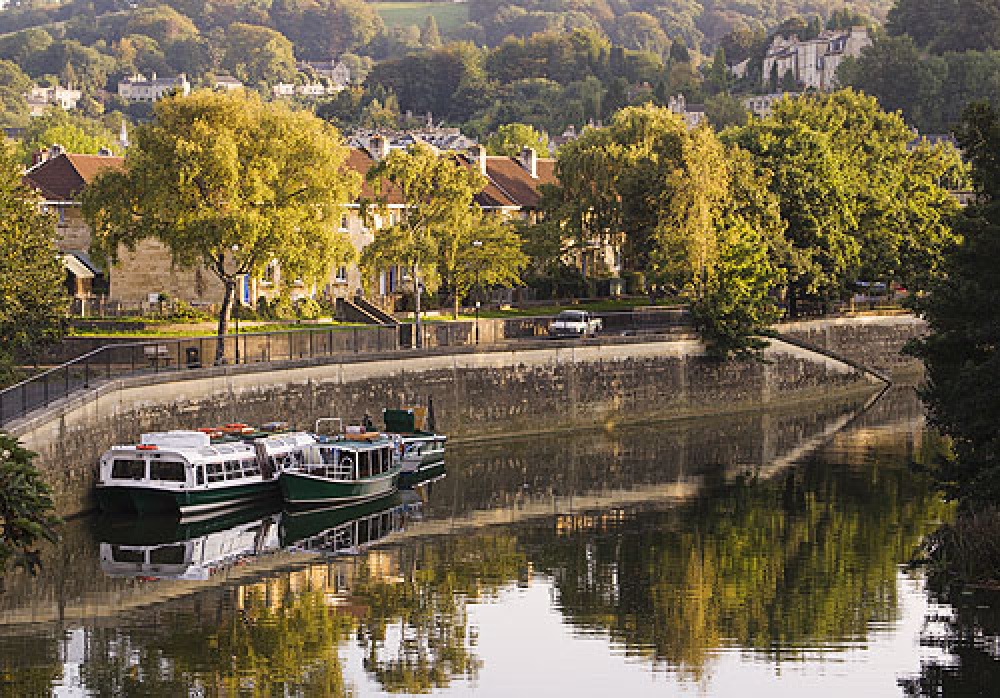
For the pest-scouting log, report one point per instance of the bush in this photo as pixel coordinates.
(308, 309)
(26, 507)
(635, 283)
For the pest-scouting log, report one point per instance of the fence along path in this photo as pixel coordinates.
(114, 361)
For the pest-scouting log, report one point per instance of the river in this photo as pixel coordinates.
(762, 553)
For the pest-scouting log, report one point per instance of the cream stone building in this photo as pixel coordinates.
(813, 63)
(140, 276)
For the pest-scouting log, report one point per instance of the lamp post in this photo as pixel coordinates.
(477, 244)
(236, 309)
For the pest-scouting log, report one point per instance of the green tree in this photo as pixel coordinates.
(717, 79)
(509, 139)
(231, 183)
(14, 87)
(961, 352)
(32, 290)
(436, 196)
(258, 55)
(74, 132)
(487, 252)
(26, 508)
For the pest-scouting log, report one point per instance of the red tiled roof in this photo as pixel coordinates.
(509, 175)
(360, 161)
(64, 176)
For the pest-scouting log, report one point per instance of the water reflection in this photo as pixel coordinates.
(707, 548)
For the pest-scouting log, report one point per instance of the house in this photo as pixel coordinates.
(739, 70)
(226, 83)
(512, 191)
(283, 89)
(692, 114)
(336, 72)
(762, 106)
(137, 88)
(813, 63)
(59, 178)
(41, 98)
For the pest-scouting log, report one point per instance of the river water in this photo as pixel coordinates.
(758, 554)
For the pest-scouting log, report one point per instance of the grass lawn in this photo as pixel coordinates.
(201, 332)
(448, 15)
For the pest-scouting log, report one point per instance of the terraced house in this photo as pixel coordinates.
(141, 276)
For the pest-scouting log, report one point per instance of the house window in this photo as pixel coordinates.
(62, 215)
(341, 275)
(393, 218)
(343, 221)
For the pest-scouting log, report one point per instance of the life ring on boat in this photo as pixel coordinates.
(146, 447)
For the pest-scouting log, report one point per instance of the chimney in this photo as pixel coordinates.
(55, 150)
(478, 154)
(40, 156)
(105, 152)
(529, 161)
(379, 147)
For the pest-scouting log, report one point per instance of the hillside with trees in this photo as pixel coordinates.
(933, 60)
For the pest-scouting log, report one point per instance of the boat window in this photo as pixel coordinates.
(233, 470)
(120, 554)
(215, 473)
(376, 461)
(328, 456)
(170, 471)
(128, 469)
(250, 468)
(199, 474)
(364, 464)
(167, 555)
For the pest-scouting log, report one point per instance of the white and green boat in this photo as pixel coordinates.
(420, 447)
(342, 469)
(186, 472)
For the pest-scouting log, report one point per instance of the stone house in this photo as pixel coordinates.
(512, 192)
(813, 63)
(139, 274)
(41, 98)
(137, 88)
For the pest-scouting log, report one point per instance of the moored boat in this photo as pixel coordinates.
(186, 472)
(420, 447)
(345, 468)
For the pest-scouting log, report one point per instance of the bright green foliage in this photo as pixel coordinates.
(961, 353)
(436, 193)
(32, 290)
(511, 138)
(258, 55)
(216, 172)
(26, 517)
(858, 202)
(75, 133)
(14, 87)
(497, 261)
(685, 210)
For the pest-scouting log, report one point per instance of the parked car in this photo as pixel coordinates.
(574, 323)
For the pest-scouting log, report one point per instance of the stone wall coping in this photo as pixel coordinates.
(63, 406)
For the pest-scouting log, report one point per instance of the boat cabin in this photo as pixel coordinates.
(349, 460)
(179, 460)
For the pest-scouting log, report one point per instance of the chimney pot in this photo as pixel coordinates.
(478, 153)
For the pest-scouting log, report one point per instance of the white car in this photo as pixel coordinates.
(574, 323)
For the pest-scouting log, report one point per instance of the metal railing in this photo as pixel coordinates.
(115, 361)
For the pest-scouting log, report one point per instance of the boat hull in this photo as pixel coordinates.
(131, 499)
(302, 489)
(425, 473)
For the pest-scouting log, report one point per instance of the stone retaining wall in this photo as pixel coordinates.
(538, 386)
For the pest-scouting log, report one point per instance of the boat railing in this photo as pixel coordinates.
(336, 471)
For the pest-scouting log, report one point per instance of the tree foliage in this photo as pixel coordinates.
(32, 289)
(436, 196)
(231, 183)
(510, 139)
(26, 508)
(961, 352)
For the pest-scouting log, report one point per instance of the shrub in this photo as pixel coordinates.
(308, 309)
(26, 507)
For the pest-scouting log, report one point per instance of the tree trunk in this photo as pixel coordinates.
(793, 306)
(227, 304)
(417, 326)
(456, 308)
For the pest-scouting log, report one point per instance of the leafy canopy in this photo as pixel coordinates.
(32, 289)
